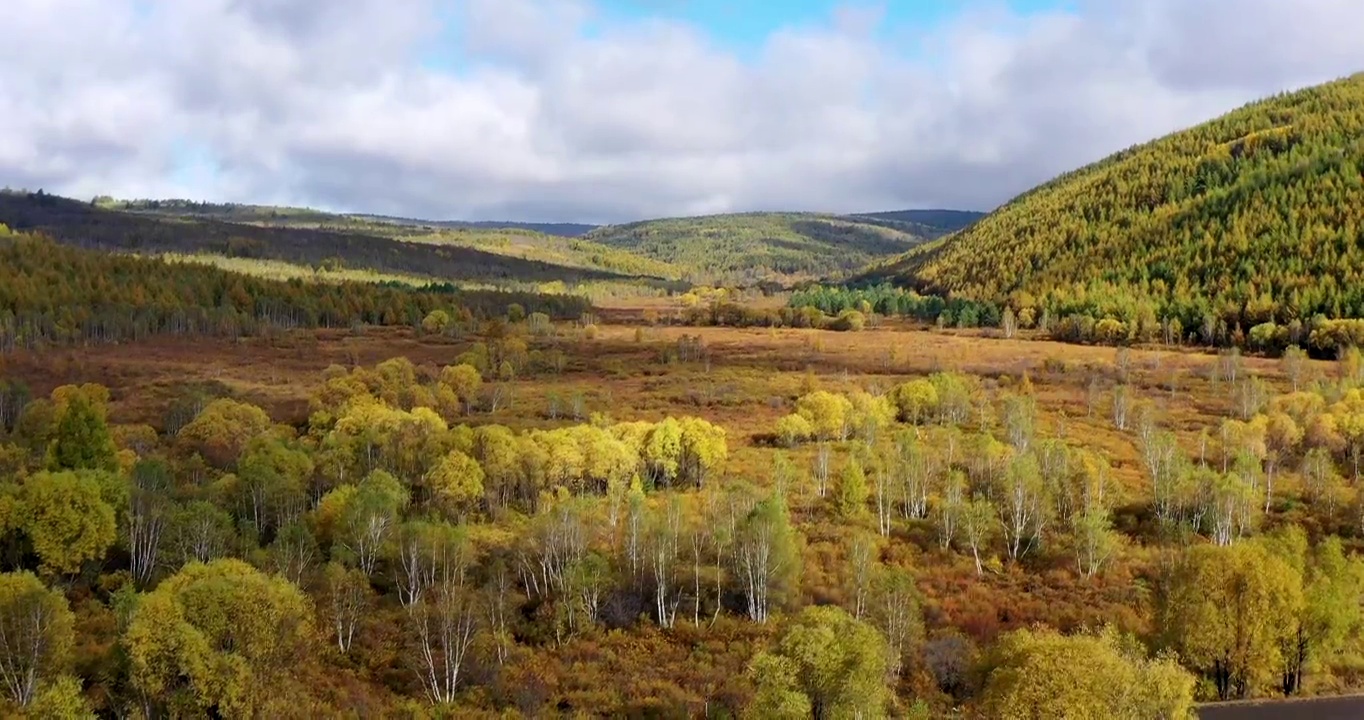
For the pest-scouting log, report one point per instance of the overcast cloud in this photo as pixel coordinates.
(513, 109)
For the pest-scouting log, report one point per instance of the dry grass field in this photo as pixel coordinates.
(748, 379)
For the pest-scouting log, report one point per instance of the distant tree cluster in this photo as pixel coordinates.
(884, 299)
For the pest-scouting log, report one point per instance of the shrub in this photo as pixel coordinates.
(849, 320)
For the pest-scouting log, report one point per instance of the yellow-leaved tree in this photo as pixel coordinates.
(827, 664)
(222, 638)
(1044, 674)
(36, 635)
(1226, 611)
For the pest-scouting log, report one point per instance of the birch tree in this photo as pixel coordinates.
(346, 599)
(419, 549)
(36, 635)
(370, 517)
(1023, 506)
(146, 516)
(1282, 436)
(896, 610)
(949, 505)
(1091, 525)
(767, 556)
(199, 531)
(861, 562)
(823, 455)
(663, 541)
(587, 581)
(445, 624)
(1160, 455)
(910, 465)
(293, 552)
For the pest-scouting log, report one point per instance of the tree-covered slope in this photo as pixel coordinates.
(750, 247)
(51, 292)
(1256, 215)
(314, 238)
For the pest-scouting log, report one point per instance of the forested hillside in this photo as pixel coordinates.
(312, 238)
(1255, 217)
(554, 243)
(57, 293)
(752, 247)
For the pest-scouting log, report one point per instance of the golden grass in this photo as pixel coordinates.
(607, 291)
(281, 270)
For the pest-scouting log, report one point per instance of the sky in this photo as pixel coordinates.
(604, 111)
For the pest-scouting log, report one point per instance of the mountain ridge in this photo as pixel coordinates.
(744, 248)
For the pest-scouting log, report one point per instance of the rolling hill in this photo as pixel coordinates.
(940, 220)
(654, 255)
(553, 243)
(568, 230)
(239, 212)
(1255, 216)
(60, 293)
(781, 247)
(314, 239)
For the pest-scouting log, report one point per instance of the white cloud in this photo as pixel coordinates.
(551, 110)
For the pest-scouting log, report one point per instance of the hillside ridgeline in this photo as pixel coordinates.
(1249, 219)
(311, 238)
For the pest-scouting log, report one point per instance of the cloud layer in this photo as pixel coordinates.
(551, 110)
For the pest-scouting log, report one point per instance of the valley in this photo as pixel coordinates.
(1096, 453)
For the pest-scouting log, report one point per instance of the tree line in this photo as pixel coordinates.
(1141, 323)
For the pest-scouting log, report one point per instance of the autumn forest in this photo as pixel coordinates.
(267, 462)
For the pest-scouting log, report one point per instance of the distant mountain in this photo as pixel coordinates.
(944, 220)
(569, 230)
(273, 214)
(1257, 215)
